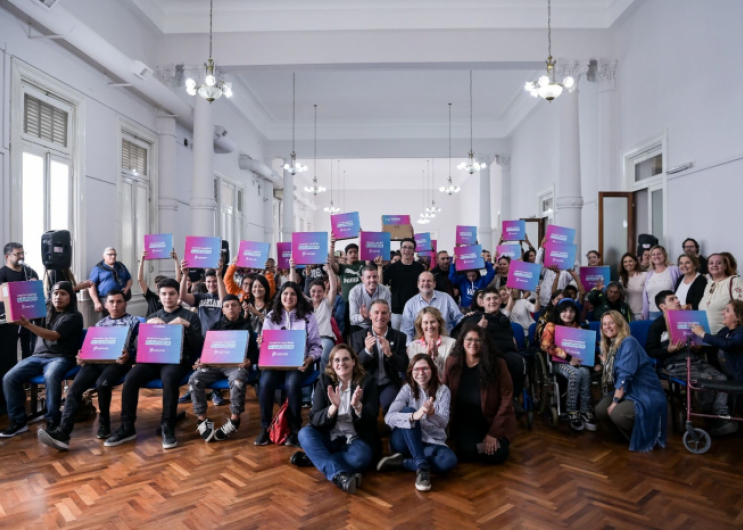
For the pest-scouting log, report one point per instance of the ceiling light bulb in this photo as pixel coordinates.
(191, 90)
(543, 81)
(211, 80)
(568, 82)
(227, 88)
(190, 83)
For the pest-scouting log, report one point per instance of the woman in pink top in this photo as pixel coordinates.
(633, 281)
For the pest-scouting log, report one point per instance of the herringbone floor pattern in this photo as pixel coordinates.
(554, 479)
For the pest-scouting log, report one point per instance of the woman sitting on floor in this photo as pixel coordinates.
(418, 418)
(342, 439)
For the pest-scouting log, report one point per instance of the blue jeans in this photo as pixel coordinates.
(335, 456)
(327, 345)
(579, 383)
(438, 458)
(53, 369)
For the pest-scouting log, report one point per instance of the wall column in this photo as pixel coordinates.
(504, 161)
(287, 208)
(607, 126)
(203, 205)
(166, 164)
(485, 224)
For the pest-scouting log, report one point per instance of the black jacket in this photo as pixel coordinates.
(658, 349)
(365, 426)
(394, 365)
(499, 328)
(442, 280)
(241, 324)
(696, 290)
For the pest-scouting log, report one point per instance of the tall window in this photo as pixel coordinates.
(47, 181)
(644, 174)
(135, 199)
(229, 197)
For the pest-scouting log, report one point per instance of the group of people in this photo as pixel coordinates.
(432, 347)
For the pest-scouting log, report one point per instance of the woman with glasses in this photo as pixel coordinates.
(342, 439)
(724, 286)
(418, 417)
(483, 421)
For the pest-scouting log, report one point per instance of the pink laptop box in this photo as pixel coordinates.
(282, 349)
(225, 348)
(160, 343)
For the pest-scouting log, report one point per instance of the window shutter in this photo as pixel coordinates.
(44, 121)
(133, 157)
(216, 190)
(240, 200)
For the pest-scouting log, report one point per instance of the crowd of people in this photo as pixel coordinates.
(432, 347)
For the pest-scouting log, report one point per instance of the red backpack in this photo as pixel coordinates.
(279, 430)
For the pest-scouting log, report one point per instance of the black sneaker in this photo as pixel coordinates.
(723, 428)
(391, 463)
(226, 430)
(13, 429)
(292, 441)
(122, 435)
(575, 422)
(518, 409)
(423, 480)
(206, 429)
(589, 420)
(346, 482)
(185, 398)
(217, 398)
(300, 459)
(56, 439)
(104, 428)
(169, 439)
(263, 438)
(51, 425)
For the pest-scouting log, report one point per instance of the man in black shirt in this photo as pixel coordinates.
(14, 270)
(441, 273)
(170, 374)
(402, 278)
(153, 300)
(54, 356)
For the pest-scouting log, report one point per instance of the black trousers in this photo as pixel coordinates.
(517, 369)
(466, 440)
(171, 375)
(102, 376)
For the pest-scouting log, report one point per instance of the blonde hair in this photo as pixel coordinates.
(622, 332)
(429, 311)
(665, 256)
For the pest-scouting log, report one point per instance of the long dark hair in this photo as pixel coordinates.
(559, 308)
(475, 306)
(623, 274)
(489, 355)
(433, 384)
(266, 297)
(51, 312)
(303, 308)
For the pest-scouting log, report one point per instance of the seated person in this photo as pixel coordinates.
(418, 417)
(613, 300)
(500, 331)
(579, 377)
(101, 376)
(382, 352)
(673, 358)
(728, 341)
(428, 297)
(238, 376)
(519, 308)
(430, 338)
(342, 439)
(470, 281)
(153, 300)
(361, 296)
(633, 397)
(54, 356)
(483, 422)
(170, 374)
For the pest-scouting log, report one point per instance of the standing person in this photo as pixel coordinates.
(238, 376)
(552, 278)
(519, 308)
(661, 277)
(258, 304)
(633, 281)
(348, 272)
(419, 417)
(611, 300)
(470, 282)
(633, 397)
(645, 263)
(402, 278)
(724, 286)
(501, 276)
(441, 273)
(109, 274)
(429, 297)
(342, 439)
(690, 285)
(362, 295)
(487, 256)
(594, 258)
(290, 311)
(153, 301)
(241, 290)
(482, 416)
(15, 270)
(691, 248)
(101, 376)
(431, 338)
(382, 352)
(170, 374)
(54, 356)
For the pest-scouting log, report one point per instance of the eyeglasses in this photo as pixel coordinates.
(692, 247)
(341, 360)
(18, 254)
(421, 370)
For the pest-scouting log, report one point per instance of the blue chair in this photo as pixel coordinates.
(518, 334)
(308, 380)
(142, 320)
(532, 334)
(639, 330)
(224, 384)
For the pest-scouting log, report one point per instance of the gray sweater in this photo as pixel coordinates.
(433, 427)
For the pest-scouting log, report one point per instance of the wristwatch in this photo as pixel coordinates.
(615, 400)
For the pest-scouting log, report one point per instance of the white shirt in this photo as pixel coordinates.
(656, 283)
(683, 290)
(344, 422)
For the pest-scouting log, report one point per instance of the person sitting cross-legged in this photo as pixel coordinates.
(418, 417)
(238, 376)
(342, 439)
(101, 376)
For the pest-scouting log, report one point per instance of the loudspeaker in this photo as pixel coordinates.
(56, 249)
(645, 242)
(225, 256)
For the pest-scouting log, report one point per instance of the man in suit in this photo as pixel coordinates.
(382, 352)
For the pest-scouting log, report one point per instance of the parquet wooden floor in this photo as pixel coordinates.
(553, 479)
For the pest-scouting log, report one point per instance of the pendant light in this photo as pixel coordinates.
(315, 189)
(294, 167)
(433, 209)
(212, 88)
(471, 166)
(450, 188)
(332, 208)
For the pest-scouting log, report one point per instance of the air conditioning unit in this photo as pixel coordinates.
(48, 3)
(140, 69)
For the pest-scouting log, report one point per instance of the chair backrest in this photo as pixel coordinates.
(532, 333)
(518, 334)
(595, 325)
(142, 320)
(639, 330)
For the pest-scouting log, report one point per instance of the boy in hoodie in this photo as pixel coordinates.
(471, 281)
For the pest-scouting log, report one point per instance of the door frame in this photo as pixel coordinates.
(630, 196)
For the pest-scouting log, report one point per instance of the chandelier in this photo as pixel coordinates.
(429, 212)
(332, 208)
(212, 88)
(546, 87)
(294, 167)
(471, 166)
(450, 188)
(315, 189)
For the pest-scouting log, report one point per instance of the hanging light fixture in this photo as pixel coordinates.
(433, 209)
(471, 166)
(546, 87)
(212, 88)
(450, 188)
(332, 208)
(425, 216)
(315, 189)
(294, 167)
